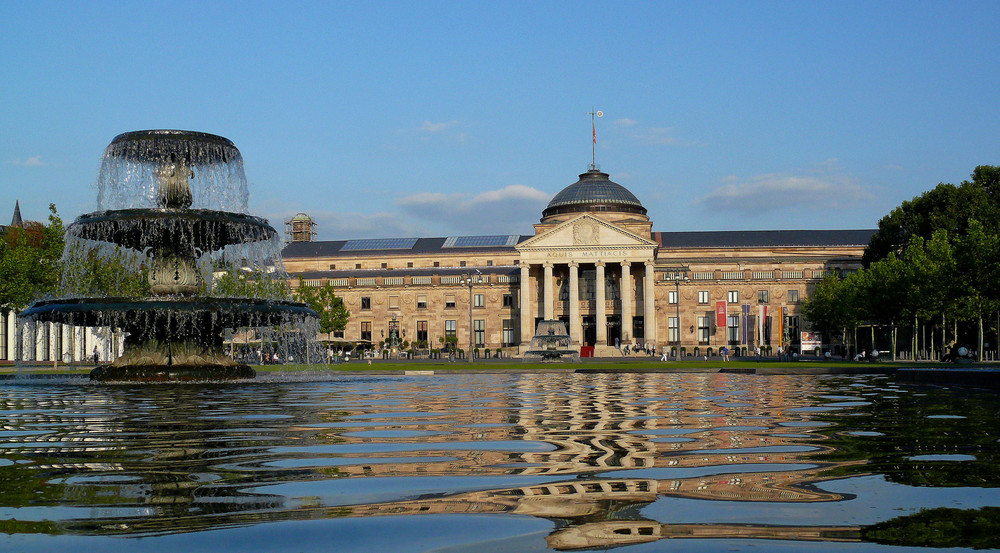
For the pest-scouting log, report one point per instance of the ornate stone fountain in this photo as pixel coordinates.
(551, 343)
(174, 216)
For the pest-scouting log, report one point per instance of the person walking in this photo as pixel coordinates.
(97, 356)
(725, 354)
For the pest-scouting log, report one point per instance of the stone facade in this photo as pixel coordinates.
(600, 269)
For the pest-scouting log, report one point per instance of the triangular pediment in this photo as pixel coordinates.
(587, 233)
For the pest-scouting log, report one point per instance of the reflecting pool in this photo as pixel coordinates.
(487, 462)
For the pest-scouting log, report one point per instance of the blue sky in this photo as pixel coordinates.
(443, 118)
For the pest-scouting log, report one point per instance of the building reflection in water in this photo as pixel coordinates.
(597, 447)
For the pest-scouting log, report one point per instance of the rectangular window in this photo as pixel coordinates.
(489, 262)
(480, 332)
(704, 329)
(333, 266)
(449, 301)
(672, 297)
(449, 330)
(673, 331)
(409, 264)
(479, 300)
(422, 334)
(733, 331)
(366, 302)
(734, 296)
(338, 334)
(422, 301)
(366, 331)
(385, 265)
(508, 333)
(393, 302)
(461, 264)
(762, 296)
(508, 300)
(437, 263)
(792, 329)
(357, 265)
(703, 297)
(793, 296)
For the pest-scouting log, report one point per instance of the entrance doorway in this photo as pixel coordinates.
(614, 330)
(589, 331)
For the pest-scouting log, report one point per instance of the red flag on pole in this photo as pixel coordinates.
(594, 128)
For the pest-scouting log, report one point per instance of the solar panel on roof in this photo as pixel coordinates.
(491, 241)
(379, 244)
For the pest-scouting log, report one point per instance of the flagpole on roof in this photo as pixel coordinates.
(593, 128)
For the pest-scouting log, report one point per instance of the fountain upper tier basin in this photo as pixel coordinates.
(135, 164)
(187, 147)
(144, 228)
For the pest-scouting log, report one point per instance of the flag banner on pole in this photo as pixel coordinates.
(747, 324)
(781, 326)
(720, 314)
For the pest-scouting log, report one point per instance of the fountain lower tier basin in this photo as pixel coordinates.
(184, 316)
(173, 373)
(151, 228)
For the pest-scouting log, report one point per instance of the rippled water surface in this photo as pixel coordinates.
(533, 462)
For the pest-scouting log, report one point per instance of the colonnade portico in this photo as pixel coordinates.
(594, 255)
(538, 300)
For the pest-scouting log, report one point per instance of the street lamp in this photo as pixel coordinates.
(468, 279)
(679, 274)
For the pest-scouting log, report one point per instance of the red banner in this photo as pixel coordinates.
(720, 314)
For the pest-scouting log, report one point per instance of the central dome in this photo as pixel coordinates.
(593, 192)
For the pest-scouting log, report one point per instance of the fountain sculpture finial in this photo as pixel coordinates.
(175, 190)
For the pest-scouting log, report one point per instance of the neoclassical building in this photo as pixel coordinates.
(594, 262)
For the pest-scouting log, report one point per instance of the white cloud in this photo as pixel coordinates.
(656, 136)
(776, 192)
(430, 127)
(511, 208)
(33, 161)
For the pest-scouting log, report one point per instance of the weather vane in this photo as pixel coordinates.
(593, 128)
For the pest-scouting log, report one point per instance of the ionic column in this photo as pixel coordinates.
(649, 305)
(627, 300)
(602, 313)
(547, 292)
(575, 322)
(527, 318)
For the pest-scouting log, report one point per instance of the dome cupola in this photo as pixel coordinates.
(594, 192)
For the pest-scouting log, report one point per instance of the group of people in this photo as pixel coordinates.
(638, 349)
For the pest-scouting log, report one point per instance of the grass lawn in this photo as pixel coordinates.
(642, 364)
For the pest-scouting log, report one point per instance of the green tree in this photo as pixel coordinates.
(103, 271)
(333, 314)
(29, 261)
(946, 206)
(887, 294)
(931, 267)
(831, 307)
(977, 260)
(239, 283)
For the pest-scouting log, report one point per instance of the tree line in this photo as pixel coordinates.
(32, 266)
(934, 260)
